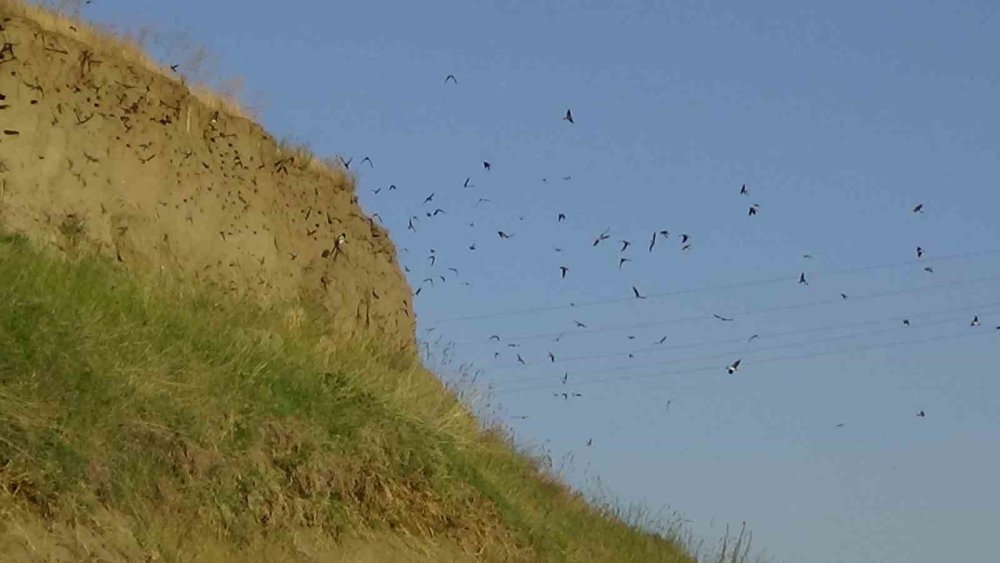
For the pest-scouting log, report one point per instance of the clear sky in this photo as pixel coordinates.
(840, 117)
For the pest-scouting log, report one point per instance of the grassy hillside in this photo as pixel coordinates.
(148, 420)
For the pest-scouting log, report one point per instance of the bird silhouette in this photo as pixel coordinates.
(919, 208)
(561, 217)
(452, 78)
(906, 322)
(684, 238)
(744, 191)
(921, 414)
(920, 252)
(482, 200)
(495, 337)
(487, 165)
(975, 321)
(802, 279)
(662, 340)
(929, 270)
(652, 241)
(753, 210)
(625, 245)
(369, 161)
(467, 184)
(552, 357)
(733, 367)
(580, 325)
(622, 261)
(174, 67)
(568, 116)
(504, 235)
(843, 296)
(521, 360)
(429, 198)
(752, 338)
(638, 295)
(602, 236)
(724, 319)
(563, 270)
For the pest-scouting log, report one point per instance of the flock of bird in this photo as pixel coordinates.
(429, 210)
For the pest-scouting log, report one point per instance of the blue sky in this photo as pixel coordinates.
(839, 117)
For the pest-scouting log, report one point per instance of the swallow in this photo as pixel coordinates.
(602, 236)
(733, 367)
(346, 163)
(565, 377)
(590, 442)
(437, 211)
(929, 270)
(568, 116)
(662, 340)
(724, 319)
(452, 78)
(621, 261)
(472, 246)
(174, 67)
(802, 279)
(558, 249)
(580, 325)
(752, 338)
(919, 208)
(744, 191)
(843, 296)
(369, 161)
(906, 322)
(563, 270)
(410, 225)
(920, 252)
(504, 235)
(429, 198)
(753, 210)
(495, 337)
(807, 256)
(432, 259)
(684, 238)
(560, 218)
(453, 270)
(975, 321)
(625, 245)
(921, 414)
(652, 242)
(392, 187)
(376, 191)
(840, 425)
(467, 184)
(686, 247)
(428, 280)
(552, 357)
(635, 290)
(487, 165)
(521, 360)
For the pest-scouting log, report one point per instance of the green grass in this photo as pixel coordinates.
(159, 419)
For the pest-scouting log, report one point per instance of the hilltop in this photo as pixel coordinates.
(184, 375)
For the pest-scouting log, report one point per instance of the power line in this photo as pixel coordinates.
(768, 335)
(777, 359)
(749, 312)
(721, 287)
(750, 353)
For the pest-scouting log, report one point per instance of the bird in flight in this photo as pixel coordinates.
(752, 338)
(906, 322)
(919, 208)
(622, 261)
(565, 377)
(652, 242)
(840, 425)
(429, 198)
(625, 244)
(662, 340)
(504, 235)
(467, 184)
(724, 319)
(552, 357)
(802, 279)
(392, 187)
(482, 200)
(563, 270)
(920, 252)
(568, 116)
(929, 270)
(369, 161)
(580, 325)
(921, 414)
(744, 190)
(843, 296)
(452, 78)
(174, 67)
(602, 236)
(521, 360)
(638, 295)
(975, 321)
(561, 217)
(495, 337)
(733, 367)
(753, 210)
(684, 238)
(487, 165)
(437, 211)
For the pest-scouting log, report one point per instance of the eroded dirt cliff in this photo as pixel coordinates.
(100, 150)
